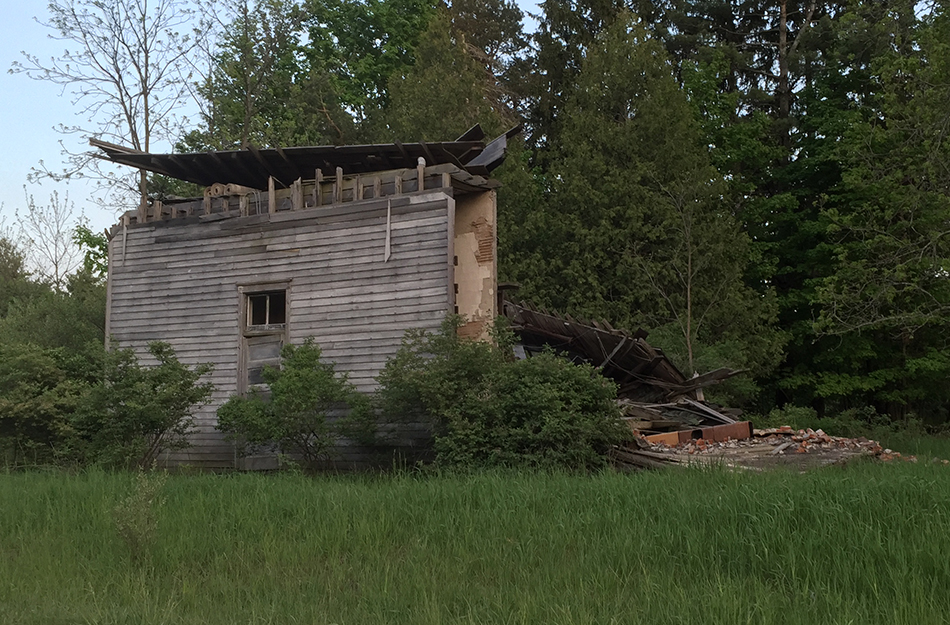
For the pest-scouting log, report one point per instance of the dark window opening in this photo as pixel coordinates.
(265, 309)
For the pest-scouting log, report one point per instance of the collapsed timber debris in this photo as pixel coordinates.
(672, 423)
(653, 393)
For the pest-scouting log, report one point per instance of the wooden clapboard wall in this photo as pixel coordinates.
(178, 281)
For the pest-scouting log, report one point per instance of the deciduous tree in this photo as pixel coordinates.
(123, 65)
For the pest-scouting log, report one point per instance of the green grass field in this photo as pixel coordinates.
(867, 543)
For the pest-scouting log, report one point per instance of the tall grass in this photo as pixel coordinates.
(862, 544)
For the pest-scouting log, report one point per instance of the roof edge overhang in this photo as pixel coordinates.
(254, 167)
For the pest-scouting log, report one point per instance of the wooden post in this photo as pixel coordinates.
(271, 195)
(244, 204)
(338, 189)
(421, 174)
(296, 195)
(387, 250)
(357, 188)
(318, 188)
(377, 188)
(398, 184)
(446, 180)
(157, 207)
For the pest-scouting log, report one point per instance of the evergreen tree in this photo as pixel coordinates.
(889, 222)
(638, 229)
(261, 91)
(444, 93)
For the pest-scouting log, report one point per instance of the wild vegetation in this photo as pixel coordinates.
(760, 185)
(863, 544)
(307, 408)
(64, 398)
(489, 410)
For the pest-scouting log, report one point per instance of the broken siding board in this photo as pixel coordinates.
(334, 212)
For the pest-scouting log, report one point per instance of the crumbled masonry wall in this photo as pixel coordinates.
(476, 276)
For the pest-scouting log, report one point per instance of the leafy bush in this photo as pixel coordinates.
(89, 406)
(38, 399)
(137, 412)
(307, 410)
(489, 410)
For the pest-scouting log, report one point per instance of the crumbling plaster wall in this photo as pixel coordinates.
(476, 270)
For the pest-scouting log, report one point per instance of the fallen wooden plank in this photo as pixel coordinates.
(638, 460)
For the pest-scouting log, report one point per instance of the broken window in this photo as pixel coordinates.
(263, 333)
(267, 309)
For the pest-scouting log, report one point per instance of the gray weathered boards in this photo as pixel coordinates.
(230, 291)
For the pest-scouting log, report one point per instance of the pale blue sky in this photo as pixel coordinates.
(31, 109)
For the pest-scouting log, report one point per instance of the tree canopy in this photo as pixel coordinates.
(762, 183)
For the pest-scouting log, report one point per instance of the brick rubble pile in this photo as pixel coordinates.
(787, 440)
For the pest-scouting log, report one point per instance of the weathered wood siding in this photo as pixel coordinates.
(178, 281)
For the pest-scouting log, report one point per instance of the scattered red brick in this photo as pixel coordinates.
(784, 439)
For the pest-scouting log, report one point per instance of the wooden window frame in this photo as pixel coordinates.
(245, 330)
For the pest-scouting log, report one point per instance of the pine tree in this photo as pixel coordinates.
(638, 228)
(889, 223)
(444, 93)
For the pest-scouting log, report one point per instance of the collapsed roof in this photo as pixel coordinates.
(253, 167)
(642, 372)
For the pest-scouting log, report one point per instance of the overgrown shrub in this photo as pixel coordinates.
(85, 405)
(38, 401)
(490, 410)
(137, 412)
(307, 409)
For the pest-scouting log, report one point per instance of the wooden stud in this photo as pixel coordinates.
(377, 187)
(357, 188)
(317, 181)
(296, 195)
(387, 250)
(244, 202)
(421, 174)
(207, 204)
(398, 184)
(446, 180)
(338, 188)
(271, 195)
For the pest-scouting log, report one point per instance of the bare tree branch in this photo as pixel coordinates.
(124, 66)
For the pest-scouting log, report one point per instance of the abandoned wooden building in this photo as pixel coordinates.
(351, 245)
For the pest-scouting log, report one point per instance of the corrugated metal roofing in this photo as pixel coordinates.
(253, 167)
